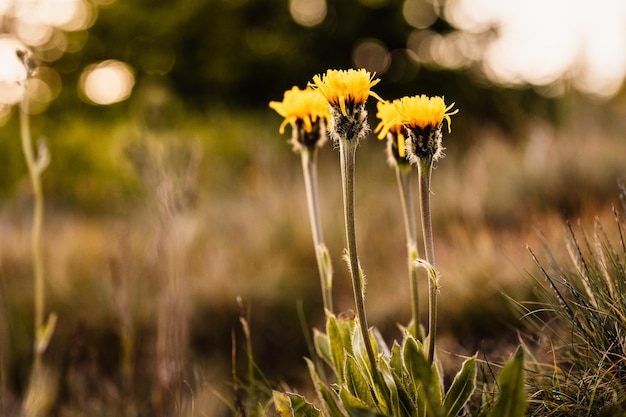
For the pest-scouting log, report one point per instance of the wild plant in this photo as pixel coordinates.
(307, 113)
(369, 377)
(168, 169)
(582, 317)
(41, 390)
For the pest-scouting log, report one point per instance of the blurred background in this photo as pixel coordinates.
(170, 191)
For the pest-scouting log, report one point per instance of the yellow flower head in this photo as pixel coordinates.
(422, 118)
(307, 113)
(388, 115)
(305, 105)
(422, 111)
(344, 89)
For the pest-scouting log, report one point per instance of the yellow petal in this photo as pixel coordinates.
(401, 145)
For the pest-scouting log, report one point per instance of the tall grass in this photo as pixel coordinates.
(581, 370)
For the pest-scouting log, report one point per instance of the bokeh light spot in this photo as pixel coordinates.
(12, 71)
(541, 42)
(80, 16)
(107, 83)
(474, 16)
(419, 13)
(33, 34)
(419, 43)
(372, 55)
(39, 96)
(308, 13)
(52, 79)
(5, 6)
(64, 14)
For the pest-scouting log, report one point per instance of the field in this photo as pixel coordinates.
(152, 232)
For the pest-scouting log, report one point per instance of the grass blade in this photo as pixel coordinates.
(511, 401)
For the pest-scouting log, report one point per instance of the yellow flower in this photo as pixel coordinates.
(305, 105)
(422, 118)
(344, 89)
(387, 114)
(422, 111)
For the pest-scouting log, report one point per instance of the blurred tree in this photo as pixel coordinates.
(242, 53)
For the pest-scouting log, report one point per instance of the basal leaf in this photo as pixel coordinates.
(294, 405)
(380, 346)
(350, 401)
(360, 354)
(340, 343)
(357, 383)
(511, 401)
(461, 389)
(362, 412)
(408, 398)
(302, 408)
(282, 404)
(411, 354)
(395, 407)
(330, 401)
(322, 346)
(395, 360)
(425, 378)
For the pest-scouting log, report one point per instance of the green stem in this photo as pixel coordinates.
(424, 171)
(403, 175)
(309, 169)
(347, 150)
(34, 171)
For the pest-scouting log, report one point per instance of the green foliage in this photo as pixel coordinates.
(512, 399)
(409, 386)
(84, 170)
(290, 405)
(461, 389)
(583, 313)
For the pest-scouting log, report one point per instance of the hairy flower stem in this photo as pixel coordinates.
(424, 171)
(403, 175)
(347, 150)
(309, 169)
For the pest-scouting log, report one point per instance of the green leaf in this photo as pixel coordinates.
(408, 398)
(411, 352)
(350, 401)
(362, 360)
(322, 346)
(339, 331)
(330, 401)
(379, 344)
(282, 404)
(461, 389)
(357, 383)
(392, 391)
(294, 405)
(395, 361)
(425, 378)
(360, 352)
(362, 412)
(511, 401)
